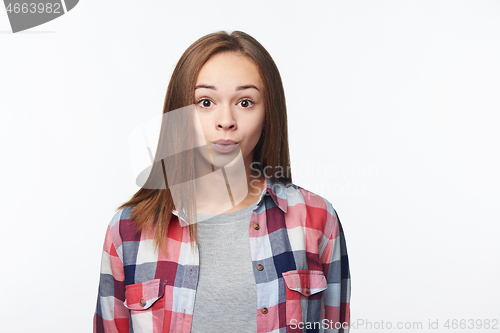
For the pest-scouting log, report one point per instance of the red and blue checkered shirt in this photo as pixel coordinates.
(298, 253)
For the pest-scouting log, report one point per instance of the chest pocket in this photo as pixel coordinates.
(146, 304)
(303, 296)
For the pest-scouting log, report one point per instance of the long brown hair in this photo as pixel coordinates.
(153, 203)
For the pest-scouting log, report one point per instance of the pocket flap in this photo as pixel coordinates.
(305, 282)
(140, 296)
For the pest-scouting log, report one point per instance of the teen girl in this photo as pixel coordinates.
(219, 239)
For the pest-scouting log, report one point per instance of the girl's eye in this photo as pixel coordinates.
(205, 102)
(246, 103)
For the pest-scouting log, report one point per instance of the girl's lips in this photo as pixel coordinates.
(224, 148)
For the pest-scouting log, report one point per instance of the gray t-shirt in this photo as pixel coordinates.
(226, 295)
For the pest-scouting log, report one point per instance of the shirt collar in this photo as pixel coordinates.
(277, 192)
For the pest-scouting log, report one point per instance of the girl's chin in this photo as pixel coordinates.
(229, 162)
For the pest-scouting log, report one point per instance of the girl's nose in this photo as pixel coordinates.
(225, 118)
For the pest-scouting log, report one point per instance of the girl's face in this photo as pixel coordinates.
(230, 106)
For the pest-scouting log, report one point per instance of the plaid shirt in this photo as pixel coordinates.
(298, 253)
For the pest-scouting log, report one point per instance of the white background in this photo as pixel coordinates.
(393, 110)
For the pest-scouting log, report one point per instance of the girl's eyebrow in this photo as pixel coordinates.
(248, 86)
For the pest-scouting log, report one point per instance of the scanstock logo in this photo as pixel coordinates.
(28, 14)
(172, 150)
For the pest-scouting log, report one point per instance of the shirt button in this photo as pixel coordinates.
(263, 310)
(260, 267)
(143, 302)
(256, 226)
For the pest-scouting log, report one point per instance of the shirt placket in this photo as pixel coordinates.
(259, 224)
(187, 300)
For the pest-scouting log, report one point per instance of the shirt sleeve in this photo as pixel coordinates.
(333, 256)
(111, 315)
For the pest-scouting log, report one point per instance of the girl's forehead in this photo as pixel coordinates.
(229, 69)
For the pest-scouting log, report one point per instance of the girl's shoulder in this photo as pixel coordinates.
(294, 195)
(311, 209)
(122, 225)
